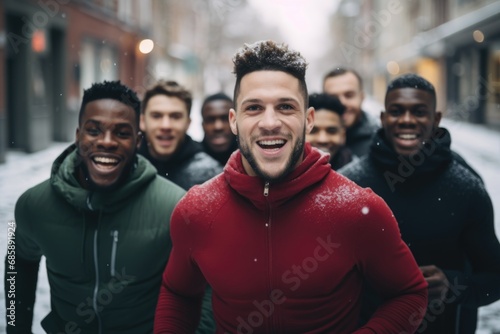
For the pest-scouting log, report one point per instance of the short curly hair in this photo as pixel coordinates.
(269, 56)
(114, 90)
(411, 80)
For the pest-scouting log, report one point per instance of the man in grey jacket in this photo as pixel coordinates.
(165, 119)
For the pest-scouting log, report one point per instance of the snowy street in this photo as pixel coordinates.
(478, 145)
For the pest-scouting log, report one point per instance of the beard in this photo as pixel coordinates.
(294, 157)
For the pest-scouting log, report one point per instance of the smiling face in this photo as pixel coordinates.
(346, 87)
(270, 122)
(410, 119)
(328, 133)
(107, 140)
(165, 121)
(215, 124)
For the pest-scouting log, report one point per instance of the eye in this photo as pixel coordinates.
(333, 131)
(395, 112)
(286, 106)
(314, 130)
(253, 107)
(420, 112)
(124, 134)
(93, 131)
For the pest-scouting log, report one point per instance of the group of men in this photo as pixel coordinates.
(268, 238)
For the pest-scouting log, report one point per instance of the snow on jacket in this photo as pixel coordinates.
(446, 217)
(289, 262)
(104, 251)
(188, 166)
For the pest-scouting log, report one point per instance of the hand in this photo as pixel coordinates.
(438, 283)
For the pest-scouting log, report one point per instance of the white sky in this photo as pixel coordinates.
(304, 23)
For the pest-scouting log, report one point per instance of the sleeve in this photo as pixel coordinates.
(389, 267)
(183, 285)
(479, 286)
(21, 273)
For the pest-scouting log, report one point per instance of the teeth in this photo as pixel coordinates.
(407, 136)
(272, 142)
(104, 160)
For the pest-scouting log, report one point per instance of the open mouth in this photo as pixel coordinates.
(271, 145)
(165, 139)
(407, 136)
(105, 163)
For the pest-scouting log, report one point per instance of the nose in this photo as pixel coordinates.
(269, 120)
(219, 124)
(165, 122)
(322, 137)
(107, 141)
(407, 118)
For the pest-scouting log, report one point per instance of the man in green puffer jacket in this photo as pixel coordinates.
(102, 221)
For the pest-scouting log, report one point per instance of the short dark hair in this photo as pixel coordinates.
(269, 56)
(169, 88)
(215, 97)
(328, 102)
(411, 80)
(114, 90)
(344, 70)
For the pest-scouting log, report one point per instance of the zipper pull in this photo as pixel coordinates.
(114, 234)
(266, 188)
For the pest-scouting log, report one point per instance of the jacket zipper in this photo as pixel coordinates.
(96, 287)
(114, 234)
(272, 319)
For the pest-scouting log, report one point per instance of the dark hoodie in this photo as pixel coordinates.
(104, 251)
(446, 217)
(188, 166)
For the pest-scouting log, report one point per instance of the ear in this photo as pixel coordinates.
(437, 119)
(382, 117)
(232, 121)
(142, 122)
(309, 119)
(77, 134)
(139, 139)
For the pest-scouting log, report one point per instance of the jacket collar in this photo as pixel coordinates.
(313, 169)
(433, 156)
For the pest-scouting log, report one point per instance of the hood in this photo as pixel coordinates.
(64, 182)
(435, 155)
(313, 169)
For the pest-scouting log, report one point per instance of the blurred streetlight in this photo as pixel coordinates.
(478, 36)
(146, 46)
(392, 67)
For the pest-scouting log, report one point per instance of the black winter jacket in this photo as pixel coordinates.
(446, 217)
(188, 166)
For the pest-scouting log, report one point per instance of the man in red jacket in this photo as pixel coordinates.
(283, 240)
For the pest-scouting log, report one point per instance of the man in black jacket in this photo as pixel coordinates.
(443, 210)
(328, 133)
(165, 119)
(219, 141)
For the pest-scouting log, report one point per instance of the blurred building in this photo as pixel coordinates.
(50, 50)
(455, 44)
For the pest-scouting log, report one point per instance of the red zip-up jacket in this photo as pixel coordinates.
(289, 257)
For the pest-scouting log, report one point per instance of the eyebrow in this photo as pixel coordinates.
(93, 121)
(281, 100)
